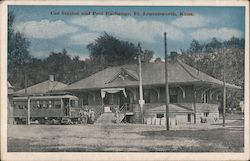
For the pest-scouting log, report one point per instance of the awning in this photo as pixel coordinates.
(112, 90)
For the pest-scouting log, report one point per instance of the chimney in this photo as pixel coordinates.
(51, 78)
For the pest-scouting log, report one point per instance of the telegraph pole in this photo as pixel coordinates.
(141, 100)
(224, 91)
(166, 81)
(28, 97)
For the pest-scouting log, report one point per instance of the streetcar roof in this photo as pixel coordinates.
(46, 97)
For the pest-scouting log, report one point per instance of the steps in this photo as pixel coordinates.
(106, 118)
(109, 118)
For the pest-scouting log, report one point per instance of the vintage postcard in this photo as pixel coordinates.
(110, 80)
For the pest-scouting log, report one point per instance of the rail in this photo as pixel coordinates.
(99, 112)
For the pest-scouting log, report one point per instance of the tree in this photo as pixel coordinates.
(107, 50)
(158, 60)
(58, 64)
(18, 54)
(214, 44)
(215, 54)
(147, 55)
(235, 42)
(195, 47)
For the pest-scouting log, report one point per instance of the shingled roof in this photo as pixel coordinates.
(42, 88)
(152, 74)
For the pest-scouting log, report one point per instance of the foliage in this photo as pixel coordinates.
(158, 60)
(211, 58)
(107, 50)
(18, 54)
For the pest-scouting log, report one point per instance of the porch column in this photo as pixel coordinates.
(28, 110)
(194, 102)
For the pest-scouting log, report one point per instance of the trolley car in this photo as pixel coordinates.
(58, 109)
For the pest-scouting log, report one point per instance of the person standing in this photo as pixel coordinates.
(91, 116)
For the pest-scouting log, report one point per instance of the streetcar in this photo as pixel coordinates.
(50, 109)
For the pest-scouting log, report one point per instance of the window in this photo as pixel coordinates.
(73, 103)
(173, 95)
(57, 106)
(173, 98)
(146, 96)
(85, 99)
(159, 115)
(206, 114)
(204, 97)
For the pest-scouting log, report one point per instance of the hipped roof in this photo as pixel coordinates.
(42, 88)
(152, 74)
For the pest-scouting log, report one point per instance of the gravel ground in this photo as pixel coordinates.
(127, 138)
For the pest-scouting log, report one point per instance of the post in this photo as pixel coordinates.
(28, 110)
(166, 81)
(141, 101)
(194, 96)
(224, 94)
(125, 113)
(25, 82)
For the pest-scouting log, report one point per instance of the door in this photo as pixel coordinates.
(66, 106)
(189, 117)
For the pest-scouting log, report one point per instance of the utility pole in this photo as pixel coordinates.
(25, 82)
(28, 97)
(141, 100)
(28, 119)
(194, 97)
(166, 81)
(224, 90)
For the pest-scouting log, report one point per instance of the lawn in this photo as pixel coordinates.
(126, 137)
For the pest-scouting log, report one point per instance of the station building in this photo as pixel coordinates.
(193, 95)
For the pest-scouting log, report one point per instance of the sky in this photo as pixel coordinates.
(53, 28)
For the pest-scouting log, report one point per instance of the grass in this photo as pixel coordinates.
(126, 137)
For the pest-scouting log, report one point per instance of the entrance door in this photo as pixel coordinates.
(189, 117)
(66, 106)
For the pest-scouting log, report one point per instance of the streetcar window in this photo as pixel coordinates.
(73, 103)
(58, 106)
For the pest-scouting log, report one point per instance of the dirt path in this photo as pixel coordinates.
(123, 138)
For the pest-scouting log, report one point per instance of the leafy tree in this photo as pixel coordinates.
(214, 44)
(158, 60)
(18, 54)
(147, 55)
(107, 50)
(195, 47)
(235, 43)
(214, 56)
(58, 64)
